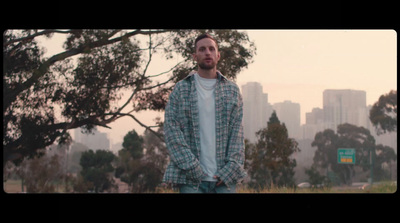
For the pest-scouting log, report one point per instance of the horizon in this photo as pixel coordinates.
(140, 130)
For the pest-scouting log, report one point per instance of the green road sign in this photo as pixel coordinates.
(346, 156)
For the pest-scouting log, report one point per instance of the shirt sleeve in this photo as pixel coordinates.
(233, 170)
(179, 151)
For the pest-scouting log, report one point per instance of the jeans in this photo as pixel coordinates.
(207, 187)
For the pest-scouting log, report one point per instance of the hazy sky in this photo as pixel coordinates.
(298, 65)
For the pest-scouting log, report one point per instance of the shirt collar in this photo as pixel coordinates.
(219, 75)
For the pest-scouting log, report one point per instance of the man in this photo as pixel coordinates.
(203, 127)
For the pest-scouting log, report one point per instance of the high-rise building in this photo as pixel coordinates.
(316, 116)
(256, 109)
(289, 113)
(314, 123)
(95, 140)
(344, 106)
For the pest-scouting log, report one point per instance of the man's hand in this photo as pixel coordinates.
(219, 182)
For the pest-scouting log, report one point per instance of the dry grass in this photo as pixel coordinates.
(384, 187)
(14, 186)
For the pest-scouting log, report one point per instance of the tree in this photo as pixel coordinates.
(383, 113)
(385, 155)
(142, 171)
(248, 152)
(129, 159)
(327, 143)
(156, 150)
(74, 158)
(315, 177)
(133, 144)
(155, 160)
(271, 163)
(45, 97)
(348, 136)
(125, 166)
(42, 174)
(97, 169)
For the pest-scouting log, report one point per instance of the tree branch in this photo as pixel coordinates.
(159, 84)
(9, 97)
(30, 37)
(141, 124)
(156, 75)
(150, 56)
(161, 137)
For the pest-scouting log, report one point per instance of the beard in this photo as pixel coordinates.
(206, 66)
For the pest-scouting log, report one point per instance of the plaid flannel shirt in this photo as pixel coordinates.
(182, 136)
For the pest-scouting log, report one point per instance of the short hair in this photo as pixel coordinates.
(202, 36)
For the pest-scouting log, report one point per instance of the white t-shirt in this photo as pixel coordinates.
(206, 103)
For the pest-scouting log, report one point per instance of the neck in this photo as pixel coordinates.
(209, 74)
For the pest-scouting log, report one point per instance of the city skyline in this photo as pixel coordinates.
(317, 114)
(95, 140)
(339, 106)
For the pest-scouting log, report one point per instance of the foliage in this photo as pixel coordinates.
(348, 136)
(269, 160)
(315, 178)
(42, 174)
(142, 172)
(146, 177)
(45, 97)
(82, 186)
(133, 143)
(97, 169)
(383, 113)
(385, 155)
(124, 166)
(156, 150)
(249, 151)
(129, 156)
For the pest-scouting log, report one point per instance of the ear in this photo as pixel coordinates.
(194, 56)
(218, 56)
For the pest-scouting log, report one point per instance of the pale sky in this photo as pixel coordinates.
(298, 65)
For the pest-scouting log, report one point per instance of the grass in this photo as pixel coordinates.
(386, 187)
(383, 187)
(14, 186)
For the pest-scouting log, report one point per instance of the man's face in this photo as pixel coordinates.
(207, 54)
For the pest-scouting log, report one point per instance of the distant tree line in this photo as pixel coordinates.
(140, 163)
(269, 160)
